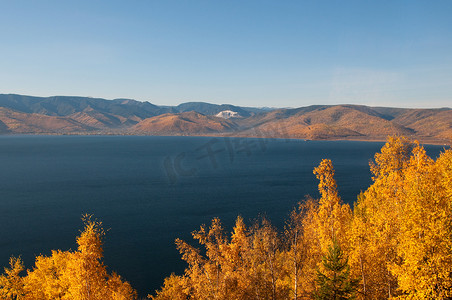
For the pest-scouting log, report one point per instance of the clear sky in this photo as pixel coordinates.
(249, 53)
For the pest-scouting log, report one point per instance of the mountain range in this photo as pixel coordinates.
(83, 115)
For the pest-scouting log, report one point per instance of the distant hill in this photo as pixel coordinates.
(330, 122)
(64, 106)
(186, 123)
(18, 122)
(84, 115)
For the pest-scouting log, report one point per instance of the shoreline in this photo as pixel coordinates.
(382, 139)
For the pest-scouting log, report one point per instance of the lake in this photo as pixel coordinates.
(150, 190)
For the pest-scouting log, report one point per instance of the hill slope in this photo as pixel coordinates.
(17, 122)
(329, 122)
(187, 123)
(83, 115)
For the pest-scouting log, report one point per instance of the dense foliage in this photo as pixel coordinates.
(395, 243)
(75, 275)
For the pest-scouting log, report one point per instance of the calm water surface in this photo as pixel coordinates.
(150, 190)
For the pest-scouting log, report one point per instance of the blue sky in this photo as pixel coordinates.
(249, 53)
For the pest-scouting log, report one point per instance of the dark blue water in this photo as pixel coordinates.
(150, 190)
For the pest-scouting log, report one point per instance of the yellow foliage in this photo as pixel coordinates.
(393, 158)
(71, 275)
(398, 238)
(425, 245)
(401, 229)
(333, 217)
(174, 288)
(398, 242)
(11, 283)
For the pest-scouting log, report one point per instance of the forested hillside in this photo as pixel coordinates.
(394, 243)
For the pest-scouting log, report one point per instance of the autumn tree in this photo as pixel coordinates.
(296, 250)
(267, 262)
(208, 276)
(11, 282)
(303, 252)
(375, 230)
(400, 235)
(333, 216)
(311, 230)
(247, 265)
(425, 246)
(174, 288)
(396, 243)
(238, 264)
(75, 275)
